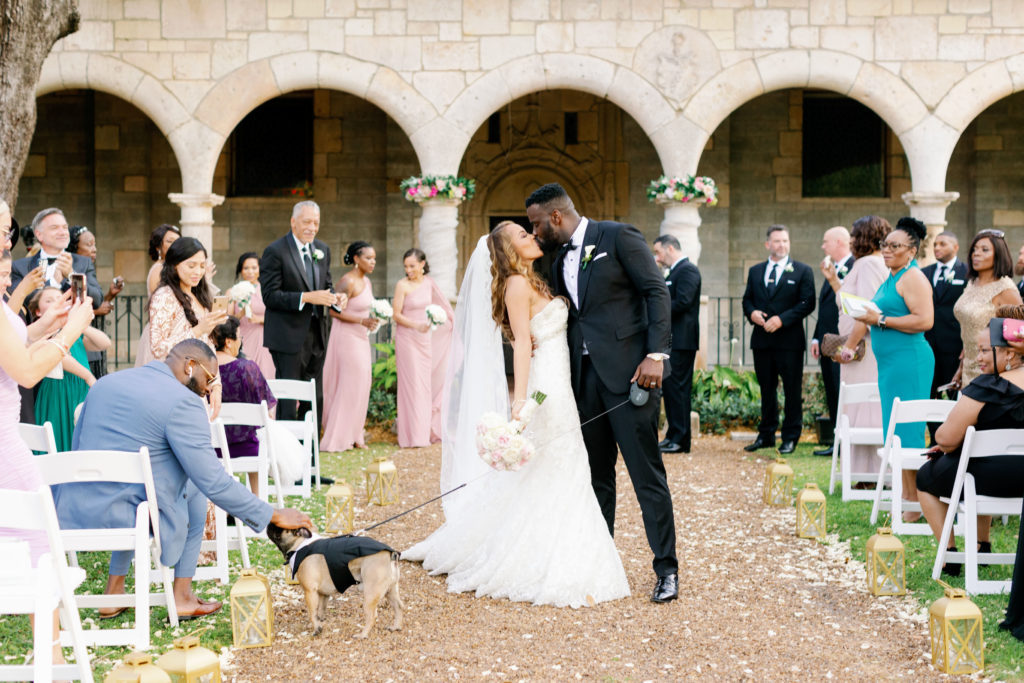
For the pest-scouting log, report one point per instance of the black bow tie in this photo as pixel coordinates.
(50, 260)
(566, 248)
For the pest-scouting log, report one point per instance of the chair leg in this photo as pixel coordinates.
(836, 445)
(42, 632)
(221, 518)
(971, 583)
(142, 603)
(876, 506)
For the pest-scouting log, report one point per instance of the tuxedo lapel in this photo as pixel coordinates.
(297, 261)
(590, 239)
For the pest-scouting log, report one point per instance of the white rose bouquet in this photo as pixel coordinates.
(501, 443)
(241, 294)
(436, 316)
(381, 310)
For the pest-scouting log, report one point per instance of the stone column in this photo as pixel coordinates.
(930, 209)
(197, 215)
(439, 226)
(681, 221)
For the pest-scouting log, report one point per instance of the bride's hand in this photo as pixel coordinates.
(517, 408)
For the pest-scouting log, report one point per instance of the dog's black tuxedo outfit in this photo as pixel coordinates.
(338, 551)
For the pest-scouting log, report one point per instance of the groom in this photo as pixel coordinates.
(619, 332)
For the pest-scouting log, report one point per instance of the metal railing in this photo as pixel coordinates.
(726, 322)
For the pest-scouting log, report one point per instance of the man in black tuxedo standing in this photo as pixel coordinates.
(50, 228)
(683, 282)
(836, 245)
(948, 276)
(295, 276)
(1018, 270)
(779, 295)
(619, 332)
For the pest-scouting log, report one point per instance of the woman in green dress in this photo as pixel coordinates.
(56, 399)
(905, 360)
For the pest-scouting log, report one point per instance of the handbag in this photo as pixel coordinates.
(832, 344)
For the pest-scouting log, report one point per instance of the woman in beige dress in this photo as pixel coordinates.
(866, 275)
(989, 267)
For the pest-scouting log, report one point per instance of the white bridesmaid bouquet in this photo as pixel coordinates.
(241, 294)
(436, 316)
(501, 443)
(381, 310)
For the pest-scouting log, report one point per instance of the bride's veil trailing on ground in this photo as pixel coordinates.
(475, 383)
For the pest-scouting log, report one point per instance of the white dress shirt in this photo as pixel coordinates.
(51, 269)
(778, 271)
(304, 249)
(941, 268)
(571, 262)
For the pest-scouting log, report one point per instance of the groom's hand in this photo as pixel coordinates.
(648, 374)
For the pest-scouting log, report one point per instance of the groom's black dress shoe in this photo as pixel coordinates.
(824, 452)
(667, 588)
(673, 447)
(757, 445)
(326, 481)
(664, 442)
(787, 447)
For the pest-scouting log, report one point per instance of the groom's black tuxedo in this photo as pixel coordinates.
(622, 313)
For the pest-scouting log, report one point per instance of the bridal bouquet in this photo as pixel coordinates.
(381, 310)
(436, 316)
(501, 443)
(241, 295)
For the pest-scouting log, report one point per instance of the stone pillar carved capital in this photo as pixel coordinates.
(197, 214)
(682, 219)
(930, 209)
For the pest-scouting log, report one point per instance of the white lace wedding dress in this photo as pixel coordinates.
(536, 535)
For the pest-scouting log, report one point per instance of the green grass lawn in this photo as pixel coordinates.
(1003, 653)
(16, 637)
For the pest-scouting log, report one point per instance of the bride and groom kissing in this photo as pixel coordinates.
(543, 534)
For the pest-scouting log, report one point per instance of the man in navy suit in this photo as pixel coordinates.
(779, 295)
(683, 282)
(120, 413)
(51, 231)
(836, 245)
(948, 276)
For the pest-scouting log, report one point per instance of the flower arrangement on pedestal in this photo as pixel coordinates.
(696, 189)
(420, 188)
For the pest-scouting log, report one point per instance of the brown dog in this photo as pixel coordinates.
(328, 566)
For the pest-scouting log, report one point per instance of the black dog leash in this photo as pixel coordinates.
(637, 401)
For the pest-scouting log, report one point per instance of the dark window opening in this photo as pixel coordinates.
(843, 148)
(572, 128)
(272, 150)
(494, 128)
(521, 219)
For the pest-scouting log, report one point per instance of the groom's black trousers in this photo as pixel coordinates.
(634, 431)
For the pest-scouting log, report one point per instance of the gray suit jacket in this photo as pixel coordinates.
(79, 264)
(149, 407)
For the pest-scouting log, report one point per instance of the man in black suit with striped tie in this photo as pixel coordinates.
(1018, 270)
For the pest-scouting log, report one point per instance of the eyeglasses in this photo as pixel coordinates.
(991, 231)
(212, 380)
(883, 245)
(5, 234)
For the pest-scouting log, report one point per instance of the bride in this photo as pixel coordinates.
(537, 534)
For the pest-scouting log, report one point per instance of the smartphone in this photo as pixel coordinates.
(77, 287)
(947, 387)
(220, 303)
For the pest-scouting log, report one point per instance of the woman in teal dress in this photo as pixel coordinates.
(905, 360)
(56, 399)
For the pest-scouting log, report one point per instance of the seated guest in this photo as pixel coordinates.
(994, 400)
(120, 414)
(242, 382)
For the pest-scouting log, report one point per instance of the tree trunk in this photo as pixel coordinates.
(28, 30)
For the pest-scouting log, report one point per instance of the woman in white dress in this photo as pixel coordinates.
(537, 534)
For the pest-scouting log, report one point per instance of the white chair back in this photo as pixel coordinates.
(227, 538)
(264, 464)
(38, 437)
(306, 430)
(848, 436)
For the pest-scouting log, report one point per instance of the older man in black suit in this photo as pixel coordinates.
(779, 295)
(50, 228)
(295, 276)
(683, 282)
(836, 245)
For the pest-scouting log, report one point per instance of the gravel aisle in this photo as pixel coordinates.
(756, 603)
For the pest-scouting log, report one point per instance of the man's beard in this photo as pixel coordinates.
(1018, 268)
(193, 386)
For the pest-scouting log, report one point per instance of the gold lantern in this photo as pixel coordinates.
(188, 662)
(778, 483)
(252, 615)
(884, 558)
(339, 509)
(137, 666)
(810, 512)
(954, 628)
(381, 482)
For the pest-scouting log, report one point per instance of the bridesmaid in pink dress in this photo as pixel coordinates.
(250, 328)
(421, 355)
(347, 374)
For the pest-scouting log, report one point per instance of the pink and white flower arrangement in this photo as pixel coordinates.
(381, 310)
(420, 188)
(695, 189)
(501, 443)
(436, 316)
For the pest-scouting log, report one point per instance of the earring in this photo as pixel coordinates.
(1008, 365)
(190, 372)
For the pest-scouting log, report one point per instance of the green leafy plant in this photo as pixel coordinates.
(383, 406)
(727, 398)
(385, 370)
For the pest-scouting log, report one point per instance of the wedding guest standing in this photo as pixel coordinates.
(56, 399)
(989, 267)
(1018, 270)
(50, 229)
(836, 245)
(905, 361)
(83, 243)
(347, 373)
(251, 317)
(160, 240)
(683, 282)
(421, 354)
(865, 276)
(779, 295)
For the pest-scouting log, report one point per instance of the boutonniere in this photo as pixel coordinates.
(666, 272)
(948, 275)
(318, 255)
(588, 254)
(788, 268)
(841, 271)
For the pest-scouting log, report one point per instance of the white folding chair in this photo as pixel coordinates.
(264, 464)
(848, 436)
(896, 459)
(984, 444)
(306, 430)
(38, 437)
(228, 538)
(49, 586)
(73, 467)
